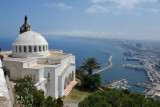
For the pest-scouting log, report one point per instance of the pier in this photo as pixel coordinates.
(109, 60)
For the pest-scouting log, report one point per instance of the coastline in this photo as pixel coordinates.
(109, 60)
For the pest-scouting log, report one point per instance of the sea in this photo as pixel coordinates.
(87, 49)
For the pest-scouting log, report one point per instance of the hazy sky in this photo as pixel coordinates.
(134, 19)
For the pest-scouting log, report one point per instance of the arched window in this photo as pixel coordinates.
(68, 82)
(48, 75)
(13, 48)
(16, 48)
(65, 83)
(70, 78)
(31, 76)
(35, 49)
(19, 48)
(72, 75)
(30, 49)
(24, 48)
(46, 48)
(34, 78)
(39, 48)
(43, 48)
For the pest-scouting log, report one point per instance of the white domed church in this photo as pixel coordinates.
(51, 70)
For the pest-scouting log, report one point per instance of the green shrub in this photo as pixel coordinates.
(91, 81)
(29, 96)
(115, 98)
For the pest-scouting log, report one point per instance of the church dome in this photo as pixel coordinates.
(30, 38)
(30, 44)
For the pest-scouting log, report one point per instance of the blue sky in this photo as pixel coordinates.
(129, 19)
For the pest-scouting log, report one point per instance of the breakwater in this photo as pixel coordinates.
(110, 65)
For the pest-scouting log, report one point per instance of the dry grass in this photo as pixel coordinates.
(77, 94)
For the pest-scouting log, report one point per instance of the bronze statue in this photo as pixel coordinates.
(25, 27)
(25, 19)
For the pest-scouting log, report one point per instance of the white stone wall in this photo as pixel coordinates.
(29, 54)
(62, 78)
(51, 81)
(53, 85)
(30, 63)
(42, 85)
(48, 61)
(64, 62)
(32, 73)
(56, 82)
(41, 74)
(4, 93)
(71, 68)
(15, 68)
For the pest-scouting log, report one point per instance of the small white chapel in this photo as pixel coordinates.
(51, 70)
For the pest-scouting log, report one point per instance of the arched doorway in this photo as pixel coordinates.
(68, 80)
(65, 83)
(72, 75)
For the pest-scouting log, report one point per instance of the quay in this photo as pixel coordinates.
(118, 84)
(146, 85)
(131, 58)
(136, 67)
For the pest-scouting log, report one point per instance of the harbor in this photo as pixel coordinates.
(118, 84)
(149, 66)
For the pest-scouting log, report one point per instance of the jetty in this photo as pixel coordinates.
(109, 60)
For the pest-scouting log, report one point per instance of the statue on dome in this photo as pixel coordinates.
(25, 27)
(25, 18)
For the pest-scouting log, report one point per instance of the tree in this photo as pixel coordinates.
(29, 96)
(79, 73)
(59, 102)
(91, 81)
(38, 98)
(89, 65)
(49, 102)
(24, 88)
(126, 91)
(115, 98)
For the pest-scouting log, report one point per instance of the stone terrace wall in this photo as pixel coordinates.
(4, 94)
